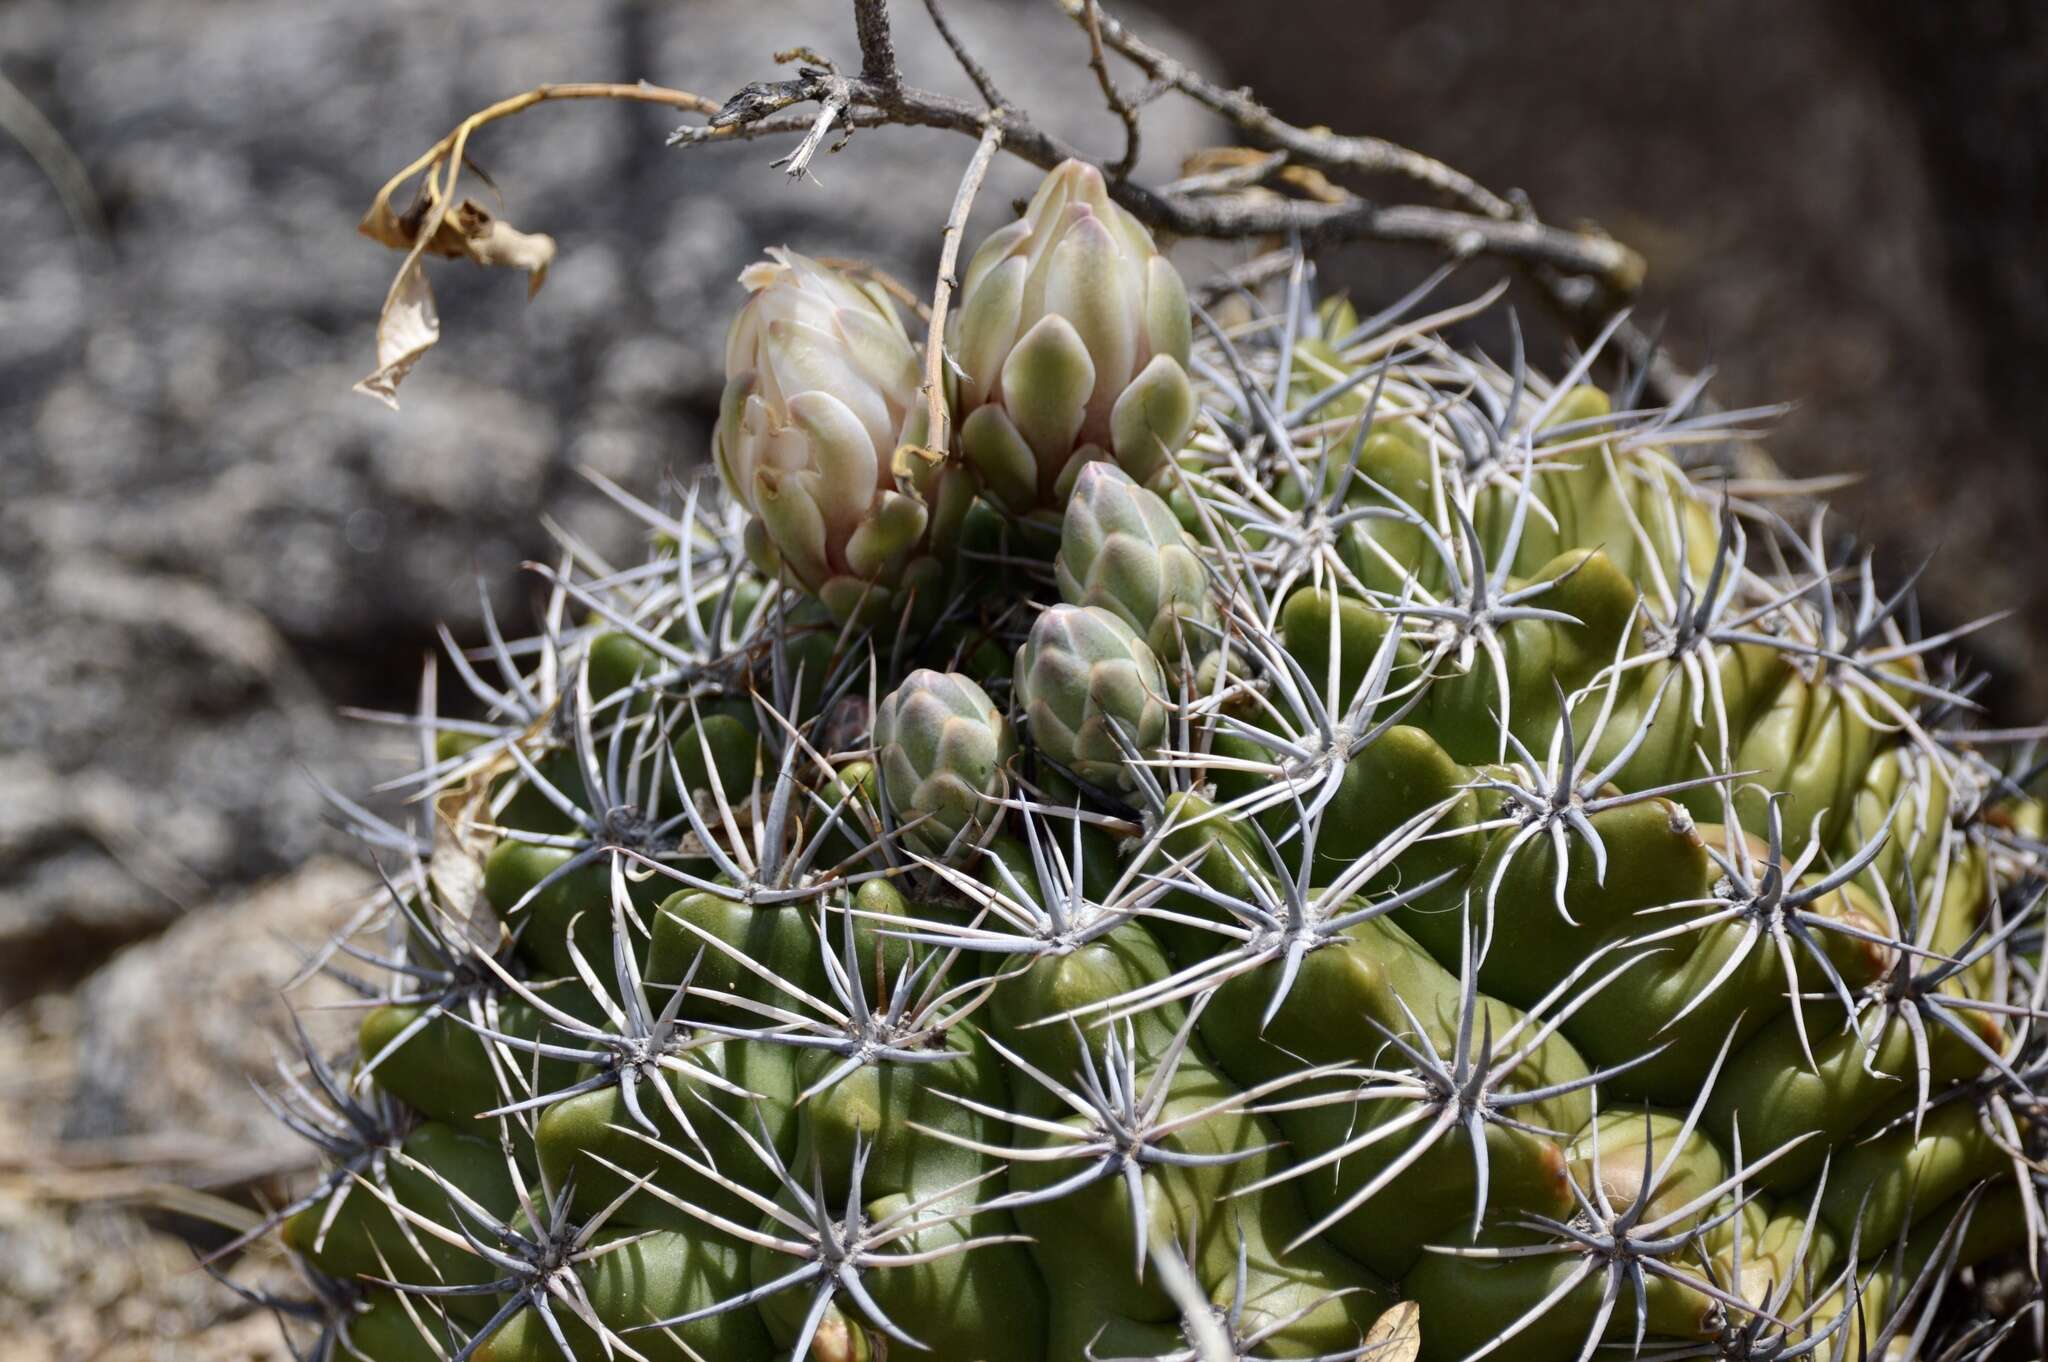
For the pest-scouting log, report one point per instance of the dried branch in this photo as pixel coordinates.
(1587, 253)
(1365, 155)
(832, 104)
(1583, 273)
(642, 93)
(1225, 170)
(877, 44)
(976, 72)
(940, 434)
(1112, 96)
(1585, 310)
(1258, 270)
(38, 136)
(1590, 254)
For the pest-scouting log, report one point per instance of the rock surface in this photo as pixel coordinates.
(128, 1128)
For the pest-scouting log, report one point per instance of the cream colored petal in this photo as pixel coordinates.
(847, 465)
(989, 317)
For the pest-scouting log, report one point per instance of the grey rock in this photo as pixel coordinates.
(132, 1093)
(170, 1031)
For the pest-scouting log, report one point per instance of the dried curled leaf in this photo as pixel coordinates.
(462, 816)
(1397, 1335)
(409, 325)
(494, 241)
(406, 329)
(1265, 169)
(468, 231)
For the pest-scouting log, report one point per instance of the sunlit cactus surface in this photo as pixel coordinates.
(1276, 816)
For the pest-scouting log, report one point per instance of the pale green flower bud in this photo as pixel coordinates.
(1092, 693)
(1122, 549)
(1072, 343)
(942, 747)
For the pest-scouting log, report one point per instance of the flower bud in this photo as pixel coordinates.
(1122, 548)
(821, 386)
(1072, 344)
(942, 746)
(1092, 693)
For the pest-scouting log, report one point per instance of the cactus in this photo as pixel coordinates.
(1418, 835)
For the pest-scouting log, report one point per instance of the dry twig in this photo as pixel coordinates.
(1091, 19)
(38, 136)
(877, 45)
(1583, 253)
(940, 435)
(976, 72)
(1583, 273)
(1316, 146)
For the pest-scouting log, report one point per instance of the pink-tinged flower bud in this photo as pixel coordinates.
(821, 386)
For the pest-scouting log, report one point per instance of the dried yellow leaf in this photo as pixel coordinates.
(409, 326)
(1397, 1335)
(406, 330)
(468, 231)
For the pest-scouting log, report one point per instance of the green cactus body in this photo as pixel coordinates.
(1400, 834)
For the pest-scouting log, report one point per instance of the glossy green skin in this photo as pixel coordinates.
(1046, 1308)
(1062, 1277)
(366, 1238)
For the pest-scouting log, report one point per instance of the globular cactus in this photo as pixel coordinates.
(1420, 835)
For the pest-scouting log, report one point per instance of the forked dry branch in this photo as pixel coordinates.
(1583, 273)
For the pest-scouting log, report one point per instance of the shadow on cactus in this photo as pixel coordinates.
(1328, 821)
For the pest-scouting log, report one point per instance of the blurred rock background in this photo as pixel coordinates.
(208, 544)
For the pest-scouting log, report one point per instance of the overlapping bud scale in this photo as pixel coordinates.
(1122, 549)
(1092, 693)
(942, 746)
(821, 387)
